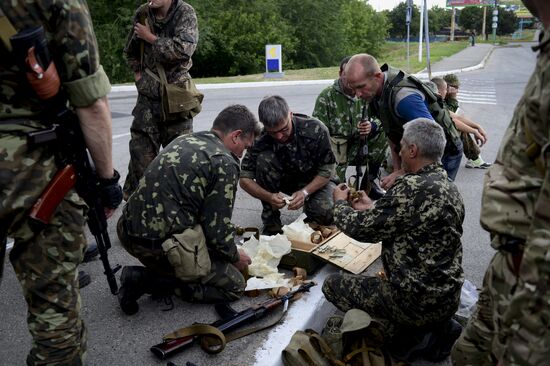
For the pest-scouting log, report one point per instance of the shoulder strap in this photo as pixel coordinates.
(7, 30)
(212, 339)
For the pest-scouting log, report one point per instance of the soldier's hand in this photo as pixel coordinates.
(389, 180)
(298, 200)
(363, 202)
(277, 200)
(142, 32)
(480, 136)
(137, 76)
(243, 262)
(341, 192)
(364, 128)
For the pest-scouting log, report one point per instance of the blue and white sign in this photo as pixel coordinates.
(273, 59)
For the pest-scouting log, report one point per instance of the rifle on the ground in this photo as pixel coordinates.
(76, 167)
(212, 337)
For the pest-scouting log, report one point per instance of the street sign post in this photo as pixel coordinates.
(273, 61)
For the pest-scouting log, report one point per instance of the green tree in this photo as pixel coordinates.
(396, 18)
(439, 18)
(507, 21)
(233, 35)
(318, 30)
(364, 29)
(471, 18)
(112, 22)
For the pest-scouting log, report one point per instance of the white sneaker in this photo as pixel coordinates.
(477, 164)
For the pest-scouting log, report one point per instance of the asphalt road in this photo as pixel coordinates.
(488, 96)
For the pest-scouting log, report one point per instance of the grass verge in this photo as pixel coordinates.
(393, 53)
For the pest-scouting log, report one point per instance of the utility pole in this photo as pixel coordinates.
(453, 16)
(421, 30)
(408, 21)
(484, 24)
(427, 35)
(495, 22)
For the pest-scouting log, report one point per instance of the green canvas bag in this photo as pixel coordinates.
(188, 254)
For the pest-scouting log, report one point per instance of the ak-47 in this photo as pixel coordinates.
(360, 157)
(76, 169)
(212, 337)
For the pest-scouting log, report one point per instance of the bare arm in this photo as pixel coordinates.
(465, 124)
(298, 197)
(388, 181)
(95, 121)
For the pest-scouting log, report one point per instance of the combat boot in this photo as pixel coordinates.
(136, 281)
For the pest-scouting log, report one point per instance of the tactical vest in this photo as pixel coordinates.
(393, 124)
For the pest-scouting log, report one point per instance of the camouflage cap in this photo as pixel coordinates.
(452, 80)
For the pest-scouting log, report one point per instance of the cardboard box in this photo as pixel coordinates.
(338, 249)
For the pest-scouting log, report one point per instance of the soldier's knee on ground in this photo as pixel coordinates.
(330, 284)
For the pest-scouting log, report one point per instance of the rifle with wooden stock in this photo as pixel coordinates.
(213, 337)
(76, 169)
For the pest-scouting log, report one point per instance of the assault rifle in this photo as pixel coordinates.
(212, 337)
(361, 155)
(76, 167)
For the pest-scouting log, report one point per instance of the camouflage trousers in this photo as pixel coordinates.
(483, 341)
(377, 146)
(223, 283)
(376, 297)
(272, 176)
(148, 134)
(45, 258)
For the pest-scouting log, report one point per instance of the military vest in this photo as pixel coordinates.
(393, 124)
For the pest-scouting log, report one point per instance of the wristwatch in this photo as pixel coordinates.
(306, 194)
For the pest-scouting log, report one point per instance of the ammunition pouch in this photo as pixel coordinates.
(178, 102)
(188, 254)
(339, 145)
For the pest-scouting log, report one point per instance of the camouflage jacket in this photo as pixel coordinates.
(340, 112)
(516, 203)
(306, 156)
(419, 221)
(74, 53)
(451, 104)
(178, 35)
(192, 181)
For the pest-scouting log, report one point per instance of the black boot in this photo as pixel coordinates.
(136, 281)
(84, 279)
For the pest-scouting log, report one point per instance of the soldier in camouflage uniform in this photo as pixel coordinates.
(337, 108)
(471, 151)
(164, 32)
(510, 324)
(419, 222)
(396, 98)
(293, 156)
(45, 258)
(192, 181)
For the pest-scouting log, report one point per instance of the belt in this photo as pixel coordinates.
(154, 244)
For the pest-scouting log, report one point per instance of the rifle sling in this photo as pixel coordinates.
(212, 340)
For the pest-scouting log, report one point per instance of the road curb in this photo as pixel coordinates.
(311, 311)
(259, 84)
(424, 75)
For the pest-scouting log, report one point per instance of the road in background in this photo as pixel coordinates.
(488, 96)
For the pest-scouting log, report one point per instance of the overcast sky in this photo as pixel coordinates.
(390, 4)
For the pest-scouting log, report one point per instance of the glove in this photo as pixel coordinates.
(110, 192)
